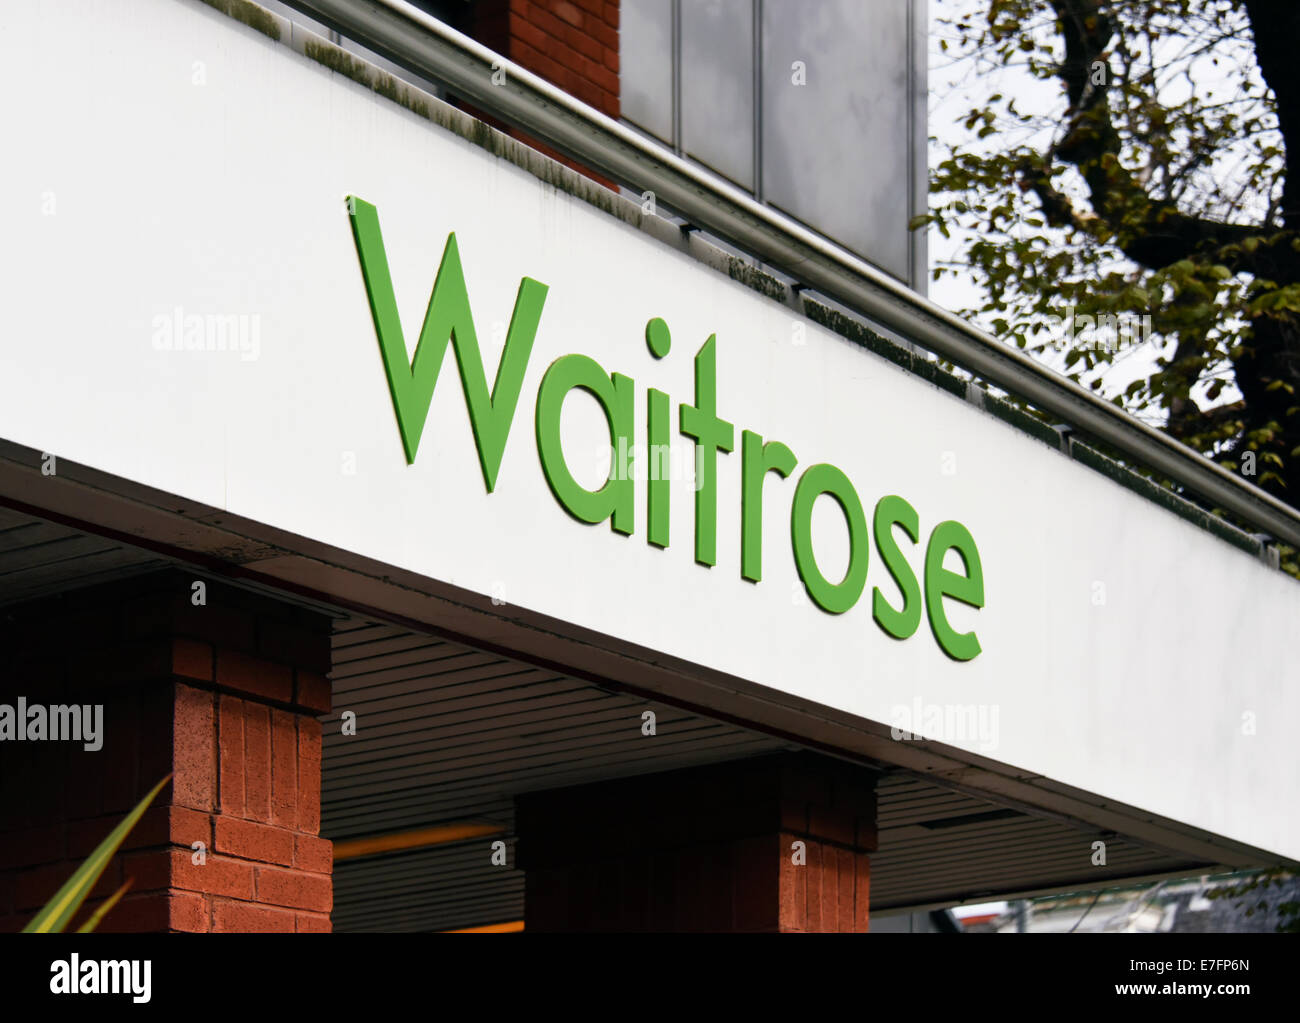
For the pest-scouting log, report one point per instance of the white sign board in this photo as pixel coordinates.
(184, 306)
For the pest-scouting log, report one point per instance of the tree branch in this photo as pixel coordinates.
(1162, 234)
(1276, 26)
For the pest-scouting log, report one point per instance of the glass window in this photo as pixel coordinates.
(718, 86)
(836, 148)
(645, 59)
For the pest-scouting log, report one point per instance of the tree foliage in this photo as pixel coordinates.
(1151, 179)
(1260, 892)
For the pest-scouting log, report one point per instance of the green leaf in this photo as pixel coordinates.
(56, 913)
(102, 911)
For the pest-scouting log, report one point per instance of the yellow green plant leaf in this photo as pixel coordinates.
(56, 913)
(103, 909)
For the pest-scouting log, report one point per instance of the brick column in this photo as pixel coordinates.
(225, 694)
(712, 848)
(573, 44)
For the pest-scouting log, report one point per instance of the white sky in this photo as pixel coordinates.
(956, 87)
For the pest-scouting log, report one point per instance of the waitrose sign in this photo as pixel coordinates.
(837, 505)
(897, 609)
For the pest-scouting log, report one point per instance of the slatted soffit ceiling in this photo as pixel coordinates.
(449, 735)
(38, 558)
(446, 734)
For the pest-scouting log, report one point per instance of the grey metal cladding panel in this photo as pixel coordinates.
(916, 865)
(718, 86)
(38, 558)
(451, 733)
(428, 889)
(959, 881)
(645, 60)
(836, 150)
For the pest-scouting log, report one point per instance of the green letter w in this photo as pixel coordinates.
(448, 317)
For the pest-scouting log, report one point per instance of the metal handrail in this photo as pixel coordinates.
(435, 51)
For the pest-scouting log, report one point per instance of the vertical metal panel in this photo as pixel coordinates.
(919, 29)
(717, 68)
(645, 57)
(837, 150)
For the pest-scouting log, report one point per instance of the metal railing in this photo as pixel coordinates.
(435, 51)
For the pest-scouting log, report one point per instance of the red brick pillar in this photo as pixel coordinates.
(573, 44)
(777, 843)
(221, 687)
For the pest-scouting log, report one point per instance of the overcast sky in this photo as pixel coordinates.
(958, 86)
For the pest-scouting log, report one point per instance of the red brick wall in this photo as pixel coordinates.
(573, 44)
(570, 43)
(704, 849)
(225, 696)
(831, 893)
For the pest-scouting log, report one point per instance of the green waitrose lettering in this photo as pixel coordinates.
(449, 319)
